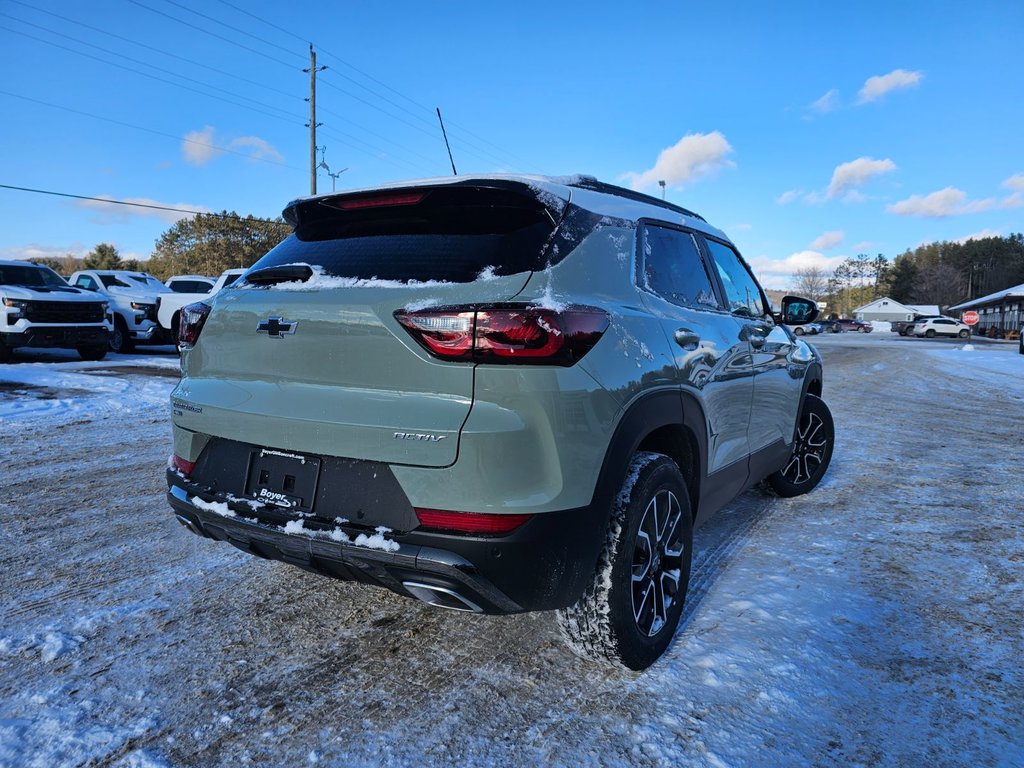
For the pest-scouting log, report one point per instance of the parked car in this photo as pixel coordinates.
(190, 283)
(132, 297)
(941, 326)
(902, 327)
(495, 394)
(807, 330)
(39, 309)
(849, 324)
(168, 307)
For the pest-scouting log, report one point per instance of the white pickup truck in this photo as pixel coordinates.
(169, 305)
(39, 309)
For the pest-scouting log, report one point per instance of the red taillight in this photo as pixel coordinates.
(469, 522)
(378, 201)
(193, 317)
(183, 466)
(530, 335)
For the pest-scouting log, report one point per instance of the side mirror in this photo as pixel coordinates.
(797, 310)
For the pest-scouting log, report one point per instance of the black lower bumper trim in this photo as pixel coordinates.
(64, 337)
(543, 565)
(348, 562)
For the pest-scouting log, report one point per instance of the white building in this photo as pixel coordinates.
(890, 310)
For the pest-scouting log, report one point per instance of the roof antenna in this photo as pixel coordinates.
(445, 134)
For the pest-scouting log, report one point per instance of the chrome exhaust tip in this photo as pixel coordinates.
(441, 597)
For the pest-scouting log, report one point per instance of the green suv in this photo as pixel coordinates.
(495, 394)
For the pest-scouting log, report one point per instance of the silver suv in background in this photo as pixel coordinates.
(495, 394)
(39, 309)
(133, 299)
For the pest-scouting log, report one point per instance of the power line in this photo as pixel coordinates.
(144, 74)
(139, 205)
(368, 76)
(149, 130)
(233, 28)
(160, 51)
(135, 61)
(212, 34)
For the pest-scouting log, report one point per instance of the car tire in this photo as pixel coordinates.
(930, 333)
(6, 353)
(175, 327)
(629, 612)
(812, 451)
(92, 353)
(120, 340)
(798, 331)
(964, 333)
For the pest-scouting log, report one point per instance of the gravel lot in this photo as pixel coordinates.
(879, 620)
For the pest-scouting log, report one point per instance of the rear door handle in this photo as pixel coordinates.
(686, 338)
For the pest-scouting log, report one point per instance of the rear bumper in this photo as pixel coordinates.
(545, 564)
(61, 336)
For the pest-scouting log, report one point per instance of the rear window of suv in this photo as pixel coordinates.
(443, 234)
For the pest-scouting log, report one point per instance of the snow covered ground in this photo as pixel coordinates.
(877, 621)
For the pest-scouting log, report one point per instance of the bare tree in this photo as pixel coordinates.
(811, 282)
(941, 284)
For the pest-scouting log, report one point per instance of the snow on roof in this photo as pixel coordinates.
(1016, 291)
(925, 309)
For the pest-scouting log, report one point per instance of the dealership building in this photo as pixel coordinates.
(1002, 310)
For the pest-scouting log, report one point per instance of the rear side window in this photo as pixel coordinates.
(190, 286)
(674, 269)
(741, 290)
(444, 234)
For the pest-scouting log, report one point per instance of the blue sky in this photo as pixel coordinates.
(807, 131)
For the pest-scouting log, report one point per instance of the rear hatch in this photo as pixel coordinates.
(310, 358)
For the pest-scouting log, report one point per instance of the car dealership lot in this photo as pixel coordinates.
(878, 620)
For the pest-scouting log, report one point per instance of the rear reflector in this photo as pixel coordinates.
(469, 522)
(507, 334)
(185, 467)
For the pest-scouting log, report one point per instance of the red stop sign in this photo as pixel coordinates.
(970, 317)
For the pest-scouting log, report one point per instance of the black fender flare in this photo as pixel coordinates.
(669, 407)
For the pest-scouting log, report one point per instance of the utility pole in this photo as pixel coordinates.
(312, 117)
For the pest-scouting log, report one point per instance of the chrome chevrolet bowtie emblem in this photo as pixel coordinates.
(276, 327)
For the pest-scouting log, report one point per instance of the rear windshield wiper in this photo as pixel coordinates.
(286, 273)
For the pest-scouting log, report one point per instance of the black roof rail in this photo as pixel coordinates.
(589, 182)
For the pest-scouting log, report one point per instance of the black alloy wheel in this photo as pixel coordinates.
(812, 451)
(657, 563)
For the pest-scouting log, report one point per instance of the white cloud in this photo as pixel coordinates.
(34, 251)
(827, 241)
(1015, 182)
(113, 212)
(788, 197)
(979, 235)
(1016, 200)
(826, 103)
(198, 148)
(879, 85)
(781, 271)
(946, 202)
(856, 173)
(261, 149)
(692, 157)
(863, 246)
